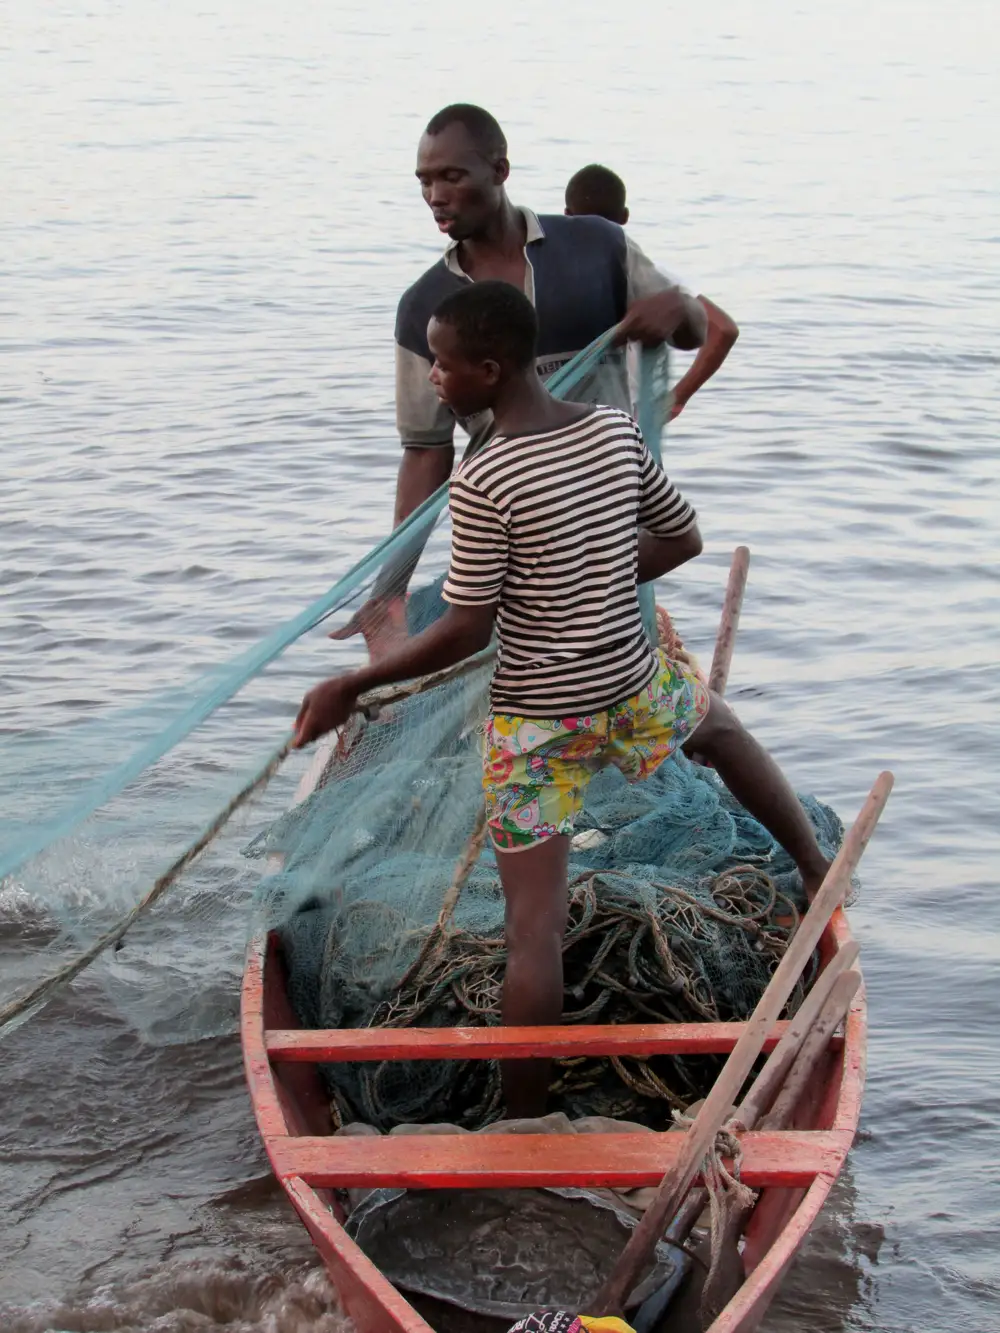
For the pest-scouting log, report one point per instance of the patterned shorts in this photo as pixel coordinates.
(559, 1321)
(536, 771)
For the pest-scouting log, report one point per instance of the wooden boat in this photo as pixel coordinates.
(793, 1168)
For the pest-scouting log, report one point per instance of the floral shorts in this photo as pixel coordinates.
(535, 772)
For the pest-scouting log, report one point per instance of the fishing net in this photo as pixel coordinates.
(681, 906)
(387, 902)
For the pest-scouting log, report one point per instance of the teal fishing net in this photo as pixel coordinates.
(681, 907)
(681, 903)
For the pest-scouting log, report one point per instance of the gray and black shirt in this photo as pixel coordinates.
(582, 273)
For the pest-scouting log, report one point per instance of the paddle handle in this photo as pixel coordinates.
(729, 623)
(813, 1048)
(767, 1084)
(726, 1277)
(716, 1107)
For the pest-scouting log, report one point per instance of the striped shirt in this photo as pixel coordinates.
(547, 525)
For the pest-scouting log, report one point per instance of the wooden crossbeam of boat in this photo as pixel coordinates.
(531, 1161)
(327, 1046)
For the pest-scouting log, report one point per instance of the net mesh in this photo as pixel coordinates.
(681, 903)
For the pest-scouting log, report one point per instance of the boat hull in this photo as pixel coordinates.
(794, 1168)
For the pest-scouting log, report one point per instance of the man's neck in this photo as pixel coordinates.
(502, 239)
(525, 407)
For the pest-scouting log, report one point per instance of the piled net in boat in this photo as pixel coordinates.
(681, 906)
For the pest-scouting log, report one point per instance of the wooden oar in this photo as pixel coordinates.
(730, 620)
(814, 1046)
(727, 1274)
(767, 1084)
(639, 1251)
(728, 1269)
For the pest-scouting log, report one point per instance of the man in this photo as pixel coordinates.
(583, 275)
(598, 191)
(556, 520)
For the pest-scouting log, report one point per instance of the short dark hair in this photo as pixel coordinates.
(493, 321)
(596, 189)
(481, 127)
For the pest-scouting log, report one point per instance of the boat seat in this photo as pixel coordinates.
(497, 1161)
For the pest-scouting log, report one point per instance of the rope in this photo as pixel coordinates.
(625, 961)
(726, 1192)
(28, 1002)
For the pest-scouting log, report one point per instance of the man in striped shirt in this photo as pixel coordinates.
(556, 522)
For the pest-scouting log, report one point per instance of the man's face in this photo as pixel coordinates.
(459, 186)
(466, 386)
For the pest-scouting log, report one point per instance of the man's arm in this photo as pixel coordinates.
(659, 309)
(673, 317)
(659, 555)
(427, 432)
(421, 472)
(668, 526)
(476, 575)
(719, 342)
(460, 632)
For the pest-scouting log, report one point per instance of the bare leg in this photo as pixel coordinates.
(759, 785)
(537, 905)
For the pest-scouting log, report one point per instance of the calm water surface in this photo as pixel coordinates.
(207, 216)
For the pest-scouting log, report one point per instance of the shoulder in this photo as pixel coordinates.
(478, 471)
(419, 302)
(614, 421)
(593, 235)
(645, 277)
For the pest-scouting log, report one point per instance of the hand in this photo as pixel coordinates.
(677, 407)
(382, 621)
(326, 706)
(654, 319)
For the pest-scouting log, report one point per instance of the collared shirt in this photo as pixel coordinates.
(581, 274)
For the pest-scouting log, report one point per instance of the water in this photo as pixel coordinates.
(208, 213)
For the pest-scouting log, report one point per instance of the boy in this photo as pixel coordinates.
(597, 191)
(555, 523)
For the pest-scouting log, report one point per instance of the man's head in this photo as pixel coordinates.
(597, 189)
(481, 337)
(461, 166)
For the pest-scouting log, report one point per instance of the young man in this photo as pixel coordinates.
(556, 521)
(596, 191)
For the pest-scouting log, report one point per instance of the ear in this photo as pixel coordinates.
(568, 212)
(624, 216)
(491, 372)
(502, 169)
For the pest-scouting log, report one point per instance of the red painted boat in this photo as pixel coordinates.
(794, 1168)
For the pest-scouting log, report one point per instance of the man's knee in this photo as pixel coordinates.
(719, 726)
